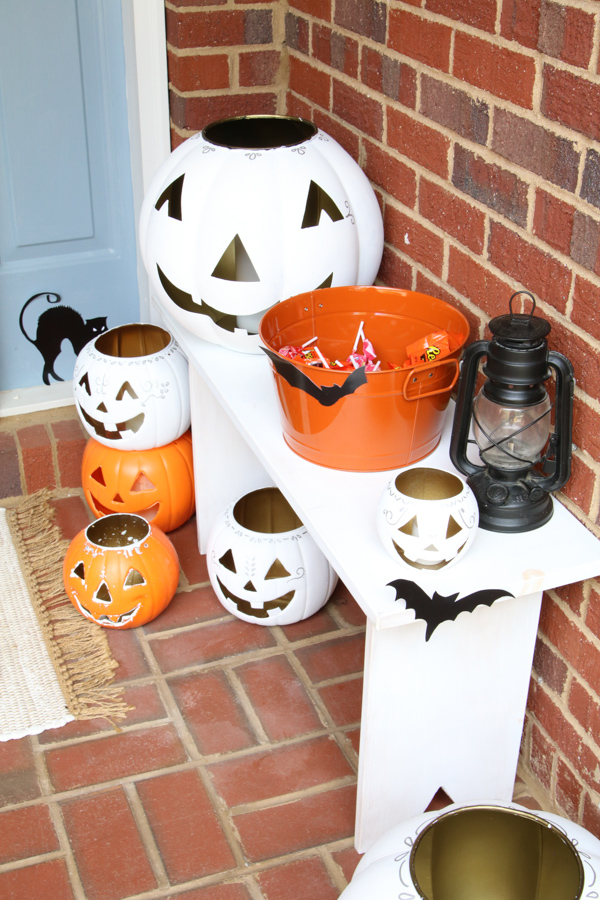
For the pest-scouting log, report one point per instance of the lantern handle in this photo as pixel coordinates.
(516, 294)
(464, 408)
(563, 423)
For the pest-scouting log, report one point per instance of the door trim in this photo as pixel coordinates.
(145, 43)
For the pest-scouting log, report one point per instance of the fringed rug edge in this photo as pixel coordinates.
(79, 650)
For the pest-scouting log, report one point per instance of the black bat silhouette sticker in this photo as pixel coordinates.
(326, 395)
(437, 609)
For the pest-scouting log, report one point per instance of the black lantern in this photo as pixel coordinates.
(524, 456)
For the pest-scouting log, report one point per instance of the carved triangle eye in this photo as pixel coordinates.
(411, 527)
(227, 561)
(98, 476)
(235, 264)
(79, 570)
(172, 197)
(126, 389)
(277, 570)
(134, 577)
(319, 201)
(84, 382)
(453, 528)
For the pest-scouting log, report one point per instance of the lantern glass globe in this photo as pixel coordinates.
(510, 438)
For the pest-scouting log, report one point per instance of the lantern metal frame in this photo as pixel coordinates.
(516, 498)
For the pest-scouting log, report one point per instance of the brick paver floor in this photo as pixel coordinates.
(233, 776)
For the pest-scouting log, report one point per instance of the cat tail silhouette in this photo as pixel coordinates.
(437, 608)
(326, 395)
(47, 295)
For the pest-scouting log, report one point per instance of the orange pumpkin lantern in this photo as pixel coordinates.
(120, 571)
(157, 484)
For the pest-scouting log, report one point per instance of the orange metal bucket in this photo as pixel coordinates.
(359, 421)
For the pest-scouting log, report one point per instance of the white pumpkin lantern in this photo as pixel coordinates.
(250, 211)
(427, 518)
(131, 388)
(263, 564)
(480, 851)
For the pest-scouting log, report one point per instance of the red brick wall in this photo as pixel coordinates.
(478, 123)
(225, 59)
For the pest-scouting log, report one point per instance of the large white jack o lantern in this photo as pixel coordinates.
(249, 212)
(427, 518)
(131, 388)
(263, 564)
(483, 852)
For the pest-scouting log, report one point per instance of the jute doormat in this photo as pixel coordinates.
(55, 665)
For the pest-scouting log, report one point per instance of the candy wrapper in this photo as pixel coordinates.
(309, 353)
(432, 347)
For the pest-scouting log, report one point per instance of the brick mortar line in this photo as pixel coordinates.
(568, 716)
(221, 7)
(238, 690)
(334, 870)
(560, 755)
(214, 92)
(229, 617)
(69, 855)
(322, 711)
(293, 796)
(31, 860)
(146, 835)
(225, 817)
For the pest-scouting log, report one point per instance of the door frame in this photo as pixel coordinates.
(145, 44)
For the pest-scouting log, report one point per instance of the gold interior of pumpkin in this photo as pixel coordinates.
(259, 132)
(487, 853)
(137, 339)
(266, 511)
(428, 484)
(118, 530)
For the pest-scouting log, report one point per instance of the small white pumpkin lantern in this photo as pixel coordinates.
(427, 518)
(263, 564)
(131, 388)
(250, 211)
(480, 851)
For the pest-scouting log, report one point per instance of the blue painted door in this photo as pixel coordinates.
(67, 236)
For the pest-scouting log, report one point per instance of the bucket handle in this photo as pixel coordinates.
(422, 371)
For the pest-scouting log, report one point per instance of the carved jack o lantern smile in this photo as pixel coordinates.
(260, 608)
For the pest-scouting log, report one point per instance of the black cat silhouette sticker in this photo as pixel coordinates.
(56, 324)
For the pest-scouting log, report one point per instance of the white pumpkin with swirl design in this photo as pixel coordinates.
(263, 564)
(427, 518)
(480, 851)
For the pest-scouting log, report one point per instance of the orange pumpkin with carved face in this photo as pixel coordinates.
(157, 484)
(121, 572)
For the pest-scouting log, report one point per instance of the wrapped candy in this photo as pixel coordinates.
(432, 347)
